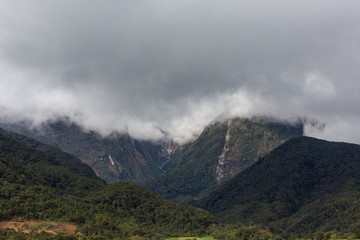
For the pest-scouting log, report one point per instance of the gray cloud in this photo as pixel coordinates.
(177, 65)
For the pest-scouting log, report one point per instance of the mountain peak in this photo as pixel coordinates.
(221, 151)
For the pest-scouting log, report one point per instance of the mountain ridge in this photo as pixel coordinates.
(222, 150)
(298, 185)
(113, 158)
(63, 158)
(35, 186)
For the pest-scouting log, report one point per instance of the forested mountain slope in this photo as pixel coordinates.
(117, 157)
(303, 186)
(62, 158)
(36, 186)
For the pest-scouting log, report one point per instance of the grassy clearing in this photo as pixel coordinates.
(192, 238)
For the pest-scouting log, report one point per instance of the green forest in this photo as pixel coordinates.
(35, 185)
(304, 189)
(39, 182)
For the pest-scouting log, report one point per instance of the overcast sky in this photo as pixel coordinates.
(176, 65)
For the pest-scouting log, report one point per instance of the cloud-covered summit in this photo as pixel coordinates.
(177, 65)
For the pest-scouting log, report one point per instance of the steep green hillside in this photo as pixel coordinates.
(222, 150)
(61, 157)
(34, 186)
(303, 186)
(23, 165)
(114, 158)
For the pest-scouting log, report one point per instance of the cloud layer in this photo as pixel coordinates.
(176, 65)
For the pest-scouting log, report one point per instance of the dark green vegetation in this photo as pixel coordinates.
(243, 232)
(234, 232)
(62, 158)
(304, 186)
(221, 151)
(13, 235)
(28, 166)
(117, 157)
(229, 232)
(37, 186)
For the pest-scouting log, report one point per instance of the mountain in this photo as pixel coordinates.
(62, 158)
(304, 186)
(37, 186)
(25, 165)
(222, 150)
(117, 157)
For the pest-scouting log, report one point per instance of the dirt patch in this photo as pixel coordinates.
(140, 158)
(40, 226)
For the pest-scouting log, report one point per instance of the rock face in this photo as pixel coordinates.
(221, 167)
(247, 140)
(221, 151)
(117, 157)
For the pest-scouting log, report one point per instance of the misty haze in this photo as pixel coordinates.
(195, 118)
(149, 67)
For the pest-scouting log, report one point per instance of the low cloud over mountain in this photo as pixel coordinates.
(148, 66)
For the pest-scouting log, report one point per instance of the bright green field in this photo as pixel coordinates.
(191, 238)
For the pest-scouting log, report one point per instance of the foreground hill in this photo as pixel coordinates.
(37, 186)
(303, 186)
(117, 157)
(62, 158)
(220, 152)
(20, 164)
